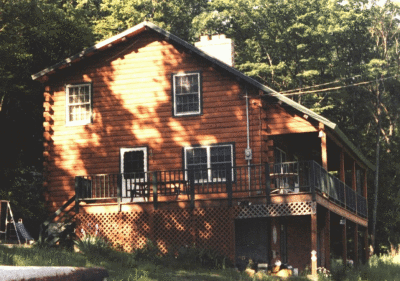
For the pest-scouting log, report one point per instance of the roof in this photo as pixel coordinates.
(269, 92)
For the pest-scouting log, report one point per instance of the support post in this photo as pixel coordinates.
(228, 171)
(341, 167)
(77, 194)
(366, 248)
(328, 240)
(365, 187)
(342, 175)
(344, 243)
(354, 182)
(312, 181)
(119, 187)
(155, 192)
(267, 183)
(356, 258)
(314, 233)
(191, 183)
(324, 153)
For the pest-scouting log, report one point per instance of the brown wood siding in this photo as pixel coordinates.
(132, 107)
(281, 120)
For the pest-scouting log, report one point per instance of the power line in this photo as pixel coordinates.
(335, 88)
(318, 85)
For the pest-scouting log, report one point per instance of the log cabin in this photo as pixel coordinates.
(154, 138)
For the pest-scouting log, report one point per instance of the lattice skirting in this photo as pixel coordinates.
(276, 210)
(210, 228)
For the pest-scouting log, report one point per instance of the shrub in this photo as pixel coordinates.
(149, 252)
(200, 256)
(94, 246)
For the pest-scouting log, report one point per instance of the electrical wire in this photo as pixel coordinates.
(318, 85)
(336, 88)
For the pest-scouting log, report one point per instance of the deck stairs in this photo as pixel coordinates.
(59, 228)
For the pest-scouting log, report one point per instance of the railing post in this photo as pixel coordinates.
(155, 192)
(312, 182)
(77, 194)
(228, 171)
(267, 183)
(191, 182)
(119, 193)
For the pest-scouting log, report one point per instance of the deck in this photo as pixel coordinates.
(269, 183)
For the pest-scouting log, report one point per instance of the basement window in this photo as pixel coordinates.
(186, 94)
(78, 104)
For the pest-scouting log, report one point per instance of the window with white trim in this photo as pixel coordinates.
(79, 104)
(186, 91)
(209, 162)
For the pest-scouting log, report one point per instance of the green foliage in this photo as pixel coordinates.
(149, 252)
(190, 256)
(93, 246)
(383, 267)
(111, 17)
(34, 34)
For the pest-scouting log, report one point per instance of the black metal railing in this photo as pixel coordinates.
(267, 179)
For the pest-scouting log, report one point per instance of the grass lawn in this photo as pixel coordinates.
(120, 266)
(146, 264)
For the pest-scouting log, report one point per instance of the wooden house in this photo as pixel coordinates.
(157, 139)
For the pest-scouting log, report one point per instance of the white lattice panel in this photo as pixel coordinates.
(276, 210)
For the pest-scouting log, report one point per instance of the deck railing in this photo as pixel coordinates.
(253, 180)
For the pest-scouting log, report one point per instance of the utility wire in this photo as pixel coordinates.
(335, 88)
(315, 86)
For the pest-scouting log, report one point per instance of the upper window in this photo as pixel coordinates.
(209, 162)
(79, 104)
(186, 93)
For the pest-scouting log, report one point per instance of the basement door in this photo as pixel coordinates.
(133, 169)
(251, 237)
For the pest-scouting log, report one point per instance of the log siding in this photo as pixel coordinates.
(132, 108)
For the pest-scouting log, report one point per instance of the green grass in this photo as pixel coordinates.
(147, 264)
(120, 266)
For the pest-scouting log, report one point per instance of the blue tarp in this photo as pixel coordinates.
(23, 233)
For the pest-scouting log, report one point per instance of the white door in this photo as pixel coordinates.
(134, 170)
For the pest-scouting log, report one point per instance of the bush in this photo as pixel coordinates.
(190, 256)
(149, 252)
(94, 246)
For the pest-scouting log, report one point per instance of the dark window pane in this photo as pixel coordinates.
(133, 163)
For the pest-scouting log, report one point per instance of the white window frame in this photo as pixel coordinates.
(187, 113)
(209, 171)
(68, 105)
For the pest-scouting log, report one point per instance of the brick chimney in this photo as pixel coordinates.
(218, 47)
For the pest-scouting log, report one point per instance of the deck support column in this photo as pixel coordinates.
(314, 233)
(354, 181)
(366, 248)
(356, 258)
(341, 168)
(365, 193)
(344, 241)
(324, 153)
(327, 239)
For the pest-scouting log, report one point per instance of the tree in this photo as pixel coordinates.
(33, 35)
(174, 16)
